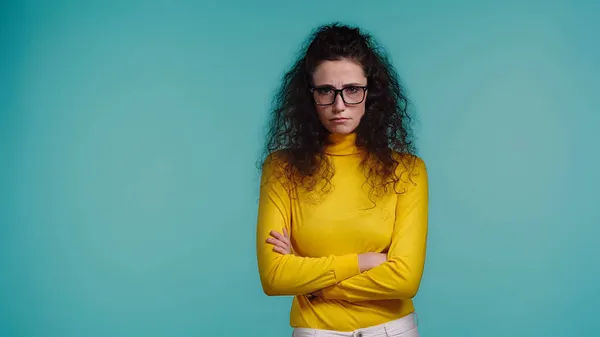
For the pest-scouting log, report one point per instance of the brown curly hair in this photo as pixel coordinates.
(296, 138)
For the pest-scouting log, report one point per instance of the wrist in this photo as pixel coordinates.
(367, 261)
(363, 260)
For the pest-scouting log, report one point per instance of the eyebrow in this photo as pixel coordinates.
(354, 84)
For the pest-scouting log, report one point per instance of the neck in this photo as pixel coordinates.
(341, 144)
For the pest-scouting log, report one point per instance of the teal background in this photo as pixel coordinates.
(129, 133)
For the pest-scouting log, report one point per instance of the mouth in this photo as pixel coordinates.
(339, 119)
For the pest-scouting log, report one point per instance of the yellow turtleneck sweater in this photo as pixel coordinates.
(329, 229)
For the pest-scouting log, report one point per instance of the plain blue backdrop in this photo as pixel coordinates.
(130, 130)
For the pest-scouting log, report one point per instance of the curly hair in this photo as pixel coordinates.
(298, 138)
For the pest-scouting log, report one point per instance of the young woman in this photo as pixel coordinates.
(342, 218)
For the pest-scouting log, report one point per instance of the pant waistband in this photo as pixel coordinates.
(391, 328)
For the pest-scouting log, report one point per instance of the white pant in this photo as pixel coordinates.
(402, 327)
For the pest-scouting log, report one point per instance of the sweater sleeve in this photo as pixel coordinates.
(288, 275)
(400, 276)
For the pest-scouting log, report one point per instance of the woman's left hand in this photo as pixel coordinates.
(281, 242)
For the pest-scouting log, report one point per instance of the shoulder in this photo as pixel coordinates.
(409, 164)
(411, 172)
(274, 167)
(275, 160)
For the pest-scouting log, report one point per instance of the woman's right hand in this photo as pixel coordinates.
(370, 260)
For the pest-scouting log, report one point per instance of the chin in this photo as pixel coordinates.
(341, 129)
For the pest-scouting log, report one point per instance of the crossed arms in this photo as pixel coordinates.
(351, 277)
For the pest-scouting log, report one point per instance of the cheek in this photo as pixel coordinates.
(358, 112)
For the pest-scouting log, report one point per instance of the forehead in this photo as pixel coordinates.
(338, 73)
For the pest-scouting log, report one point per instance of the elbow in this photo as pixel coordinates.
(273, 286)
(403, 290)
(407, 282)
(274, 282)
(271, 289)
(407, 290)
(412, 285)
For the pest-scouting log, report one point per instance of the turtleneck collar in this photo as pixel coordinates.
(341, 145)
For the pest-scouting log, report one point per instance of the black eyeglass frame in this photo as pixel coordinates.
(341, 94)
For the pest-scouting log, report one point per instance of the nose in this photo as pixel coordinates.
(338, 103)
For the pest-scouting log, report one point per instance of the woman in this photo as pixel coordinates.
(342, 218)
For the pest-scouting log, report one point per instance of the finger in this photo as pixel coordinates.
(280, 250)
(278, 236)
(278, 243)
(286, 236)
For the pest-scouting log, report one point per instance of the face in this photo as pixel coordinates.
(340, 117)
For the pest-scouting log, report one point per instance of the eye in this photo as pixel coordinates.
(323, 91)
(352, 90)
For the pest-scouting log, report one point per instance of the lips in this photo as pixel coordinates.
(339, 119)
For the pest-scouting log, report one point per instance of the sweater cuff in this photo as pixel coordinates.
(345, 267)
(333, 292)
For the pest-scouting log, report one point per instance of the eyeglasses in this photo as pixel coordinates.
(350, 95)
